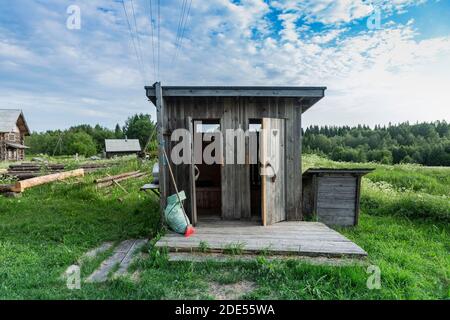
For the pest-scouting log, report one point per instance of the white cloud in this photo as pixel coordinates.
(344, 11)
(328, 36)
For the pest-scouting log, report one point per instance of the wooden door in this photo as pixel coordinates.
(192, 173)
(273, 199)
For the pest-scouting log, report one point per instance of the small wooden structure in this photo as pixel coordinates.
(231, 191)
(13, 129)
(121, 147)
(238, 207)
(332, 195)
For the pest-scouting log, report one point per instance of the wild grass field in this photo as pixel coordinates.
(404, 226)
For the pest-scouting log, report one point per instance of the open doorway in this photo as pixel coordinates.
(208, 185)
(255, 176)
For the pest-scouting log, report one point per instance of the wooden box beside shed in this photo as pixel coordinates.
(332, 195)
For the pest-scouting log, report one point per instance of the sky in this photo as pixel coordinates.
(382, 61)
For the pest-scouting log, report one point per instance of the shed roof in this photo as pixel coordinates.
(308, 96)
(122, 145)
(9, 118)
(357, 171)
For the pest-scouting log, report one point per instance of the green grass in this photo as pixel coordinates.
(51, 226)
(234, 248)
(404, 228)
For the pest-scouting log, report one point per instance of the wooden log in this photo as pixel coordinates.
(29, 183)
(25, 176)
(6, 188)
(12, 195)
(112, 182)
(31, 174)
(19, 169)
(119, 185)
(35, 169)
(119, 176)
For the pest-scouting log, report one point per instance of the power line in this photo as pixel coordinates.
(134, 43)
(180, 42)
(153, 38)
(180, 23)
(137, 36)
(159, 38)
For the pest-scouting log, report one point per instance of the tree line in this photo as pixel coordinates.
(423, 143)
(87, 140)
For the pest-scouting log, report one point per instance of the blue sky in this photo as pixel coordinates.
(61, 77)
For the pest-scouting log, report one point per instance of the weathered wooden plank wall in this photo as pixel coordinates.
(332, 199)
(274, 187)
(234, 113)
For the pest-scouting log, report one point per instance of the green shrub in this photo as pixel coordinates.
(381, 199)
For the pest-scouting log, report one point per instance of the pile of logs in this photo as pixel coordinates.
(114, 180)
(31, 170)
(91, 167)
(30, 175)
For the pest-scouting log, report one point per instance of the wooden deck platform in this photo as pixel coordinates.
(313, 239)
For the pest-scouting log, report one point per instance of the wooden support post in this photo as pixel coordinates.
(299, 177)
(160, 115)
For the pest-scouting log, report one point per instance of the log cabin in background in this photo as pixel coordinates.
(13, 129)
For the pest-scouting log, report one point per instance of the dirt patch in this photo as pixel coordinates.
(136, 276)
(232, 291)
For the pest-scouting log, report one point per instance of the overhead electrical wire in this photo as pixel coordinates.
(180, 23)
(153, 37)
(183, 30)
(159, 39)
(139, 59)
(138, 38)
(155, 27)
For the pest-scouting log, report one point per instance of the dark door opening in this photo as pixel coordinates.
(255, 176)
(208, 185)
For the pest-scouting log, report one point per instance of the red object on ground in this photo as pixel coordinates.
(189, 231)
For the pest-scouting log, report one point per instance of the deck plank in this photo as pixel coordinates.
(295, 238)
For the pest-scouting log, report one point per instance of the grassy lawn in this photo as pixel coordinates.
(404, 227)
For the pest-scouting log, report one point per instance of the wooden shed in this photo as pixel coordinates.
(121, 147)
(332, 196)
(228, 190)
